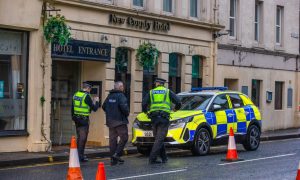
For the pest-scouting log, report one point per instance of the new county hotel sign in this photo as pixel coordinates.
(143, 24)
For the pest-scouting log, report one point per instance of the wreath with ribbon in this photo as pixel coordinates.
(56, 30)
(147, 55)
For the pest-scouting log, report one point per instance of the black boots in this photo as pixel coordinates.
(115, 159)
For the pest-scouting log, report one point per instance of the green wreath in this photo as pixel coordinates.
(56, 30)
(147, 55)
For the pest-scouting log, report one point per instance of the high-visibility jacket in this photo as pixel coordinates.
(160, 99)
(80, 107)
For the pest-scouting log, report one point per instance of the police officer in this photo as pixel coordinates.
(82, 105)
(159, 99)
(117, 112)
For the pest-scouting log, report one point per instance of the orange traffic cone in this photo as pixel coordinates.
(298, 173)
(101, 172)
(74, 172)
(232, 152)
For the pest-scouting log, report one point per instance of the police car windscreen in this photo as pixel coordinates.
(194, 102)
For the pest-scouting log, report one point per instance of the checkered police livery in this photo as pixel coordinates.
(207, 116)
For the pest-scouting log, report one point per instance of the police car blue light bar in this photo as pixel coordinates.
(209, 89)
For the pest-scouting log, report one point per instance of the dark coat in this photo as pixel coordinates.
(116, 109)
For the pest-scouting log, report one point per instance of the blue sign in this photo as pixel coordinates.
(82, 50)
(1, 89)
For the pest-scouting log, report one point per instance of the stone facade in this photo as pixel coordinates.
(89, 21)
(242, 59)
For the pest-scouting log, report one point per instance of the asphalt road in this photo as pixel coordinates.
(273, 160)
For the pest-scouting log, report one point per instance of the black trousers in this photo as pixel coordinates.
(115, 132)
(160, 127)
(82, 134)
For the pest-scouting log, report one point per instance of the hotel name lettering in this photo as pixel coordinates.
(147, 25)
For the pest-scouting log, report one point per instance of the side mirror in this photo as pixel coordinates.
(216, 107)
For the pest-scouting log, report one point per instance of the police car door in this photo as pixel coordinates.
(219, 106)
(238, 107)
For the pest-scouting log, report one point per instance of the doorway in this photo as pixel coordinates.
(65, 82)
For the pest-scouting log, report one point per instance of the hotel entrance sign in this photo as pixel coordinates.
(82, 50)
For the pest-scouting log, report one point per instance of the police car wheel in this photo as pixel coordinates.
(202, 142)
(144, 150)
(252, 138)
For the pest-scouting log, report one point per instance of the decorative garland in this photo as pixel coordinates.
(56, 30)
(147, 55)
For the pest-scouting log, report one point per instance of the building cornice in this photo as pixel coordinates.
(141, 14)
(257, 51)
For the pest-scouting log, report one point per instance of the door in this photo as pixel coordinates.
(238, 107)
(221, 115)
(65, 82)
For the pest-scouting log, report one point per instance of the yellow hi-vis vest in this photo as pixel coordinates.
(80, 107)
(160, 99)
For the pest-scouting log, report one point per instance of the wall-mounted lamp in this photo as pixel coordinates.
(104, 37)
(219, 34)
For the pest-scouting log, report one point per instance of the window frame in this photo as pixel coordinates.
(198, 6)
(212, 102)
(25, 55)
(110, 2)
(257, 21)
(280, 8)
(172, 8)
(139, 7)
(238, 95)
(234, 18)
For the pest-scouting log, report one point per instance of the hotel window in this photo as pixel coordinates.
(167, 5)
(194, 8)
(138, 3)
(255, 92)
(232, 18)
(175, 72)
(123, 69)
(258, 21)
(278, 95)
(197, 71)
(13, 81)
(279, 18)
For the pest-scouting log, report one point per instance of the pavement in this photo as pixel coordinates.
(274, 160)
(61, 153)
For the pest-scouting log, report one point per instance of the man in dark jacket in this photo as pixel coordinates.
(82, 105)
(117, 112)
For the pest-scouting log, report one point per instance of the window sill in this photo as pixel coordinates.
(258, 45)
(13, 133)
(232, 41)
(166, 13)
(279, 48)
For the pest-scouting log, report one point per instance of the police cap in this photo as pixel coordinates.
(160, 80)
(87, 84)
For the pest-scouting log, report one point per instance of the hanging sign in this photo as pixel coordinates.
(82, 50)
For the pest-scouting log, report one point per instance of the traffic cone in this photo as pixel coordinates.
(101, 172)
(74, 172)
(298, 173)
(232, 152)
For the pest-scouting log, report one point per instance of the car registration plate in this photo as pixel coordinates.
(148, 133)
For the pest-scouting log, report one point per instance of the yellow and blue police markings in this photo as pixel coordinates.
(220, 122)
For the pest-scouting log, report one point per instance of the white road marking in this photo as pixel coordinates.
(153, 174)
(250, 160)
(281, 140)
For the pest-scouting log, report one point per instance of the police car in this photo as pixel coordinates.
(205, 119)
